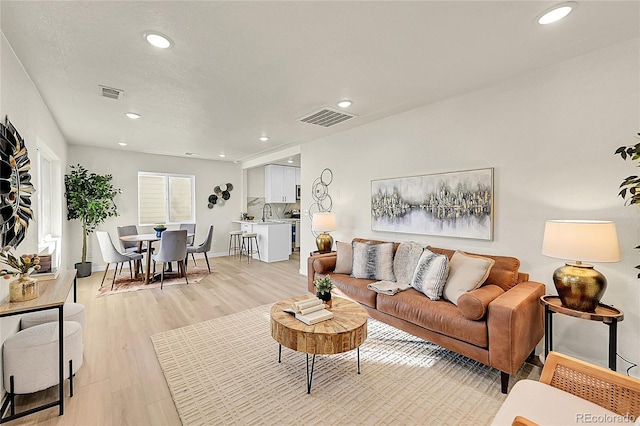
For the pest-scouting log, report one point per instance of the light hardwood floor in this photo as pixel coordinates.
(120, 382)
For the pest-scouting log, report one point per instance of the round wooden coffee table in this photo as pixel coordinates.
(347, 330)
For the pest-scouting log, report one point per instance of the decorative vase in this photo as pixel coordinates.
(159, 231)
(325, 297)
(84, 269)
(23, 288)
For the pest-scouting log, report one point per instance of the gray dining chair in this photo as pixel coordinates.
(111, 255)
(202, 248)
(173, 248)
(191, 229)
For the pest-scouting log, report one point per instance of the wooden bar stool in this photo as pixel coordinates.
(247, 246)
(235, 242)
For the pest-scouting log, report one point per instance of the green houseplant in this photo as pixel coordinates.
(630, 186)
(323, 288)
(90, 200)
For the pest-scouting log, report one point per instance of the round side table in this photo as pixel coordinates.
(603, 313)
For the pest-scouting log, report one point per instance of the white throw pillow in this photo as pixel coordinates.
(373, 261)
(431, 274)
(466, 272)
(344, 258)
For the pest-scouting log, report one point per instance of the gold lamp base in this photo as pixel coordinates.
(579, 286)
(324, 243)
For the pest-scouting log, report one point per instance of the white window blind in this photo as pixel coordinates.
(165, 198)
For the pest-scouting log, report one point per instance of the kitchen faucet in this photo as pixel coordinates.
(264, 217)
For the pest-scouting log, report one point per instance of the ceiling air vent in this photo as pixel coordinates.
(326, 117)
(110, 92)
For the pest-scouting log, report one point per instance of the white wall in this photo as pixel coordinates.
(550, 135)
(125, 165)
(20, 100)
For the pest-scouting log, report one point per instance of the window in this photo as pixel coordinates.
(44, 194)
(165, 198)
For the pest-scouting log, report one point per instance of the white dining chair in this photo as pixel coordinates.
(202, 248)
(173, 248)
(111, 255)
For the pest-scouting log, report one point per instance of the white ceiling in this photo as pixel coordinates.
(241, 69)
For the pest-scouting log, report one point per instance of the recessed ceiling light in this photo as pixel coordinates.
(158, 40)
(222, 155)
(345, 104)
(133, 115)
(264, 138)
(556, 13)
(289, 161)
(122, 143)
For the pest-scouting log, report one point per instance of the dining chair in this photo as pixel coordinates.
(202, 248)
(111, 255)
(191, 229)
(173, 248)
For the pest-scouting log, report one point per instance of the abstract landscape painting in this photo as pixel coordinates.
(456, 204)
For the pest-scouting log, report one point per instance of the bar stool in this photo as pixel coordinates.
(235, 243)
(247, 246)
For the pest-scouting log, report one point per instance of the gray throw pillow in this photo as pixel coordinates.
(405, 261)
(431, 274)
(373, 261)
(344, 258)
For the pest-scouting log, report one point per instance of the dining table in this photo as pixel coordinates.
(149, 239)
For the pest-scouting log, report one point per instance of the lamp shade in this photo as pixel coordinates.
(323, 222)
(581, 240)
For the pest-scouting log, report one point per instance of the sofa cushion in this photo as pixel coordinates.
(344, 258)
(355, 289)
(439, 316)
(504, 272)
(373, 261)
(405, 261)
(466, 272)
(430, 274)
(475, 303)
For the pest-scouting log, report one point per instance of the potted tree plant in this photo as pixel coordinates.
(90, 200)
(630, 187)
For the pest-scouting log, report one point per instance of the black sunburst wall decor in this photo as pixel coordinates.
(221, 194)
(15, 186)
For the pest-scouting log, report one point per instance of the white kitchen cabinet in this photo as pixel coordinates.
(280, 184)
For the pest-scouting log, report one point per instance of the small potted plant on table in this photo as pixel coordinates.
(323, 289)
(159, 229)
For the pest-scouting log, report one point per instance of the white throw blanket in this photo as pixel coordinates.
(388, 287)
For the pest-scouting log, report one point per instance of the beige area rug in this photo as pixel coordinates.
(225, 371)
(125, 284)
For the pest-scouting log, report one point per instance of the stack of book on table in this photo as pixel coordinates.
(310, 311)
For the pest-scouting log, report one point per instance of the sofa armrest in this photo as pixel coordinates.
(516, 325)
(319, 264)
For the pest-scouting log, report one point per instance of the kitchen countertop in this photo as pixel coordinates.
(269, 222)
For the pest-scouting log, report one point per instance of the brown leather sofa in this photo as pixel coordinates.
(498, 324)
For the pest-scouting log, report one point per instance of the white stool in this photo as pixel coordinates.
(247, 245)
(31, 358)
(234, 242)
(70, 312)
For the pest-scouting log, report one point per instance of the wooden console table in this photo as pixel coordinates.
(604, 313)
(52, 294)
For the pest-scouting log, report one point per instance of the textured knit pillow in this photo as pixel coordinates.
(405, 261)
(466, 272)
(373, 261)
(431, 274)
(344, 258)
